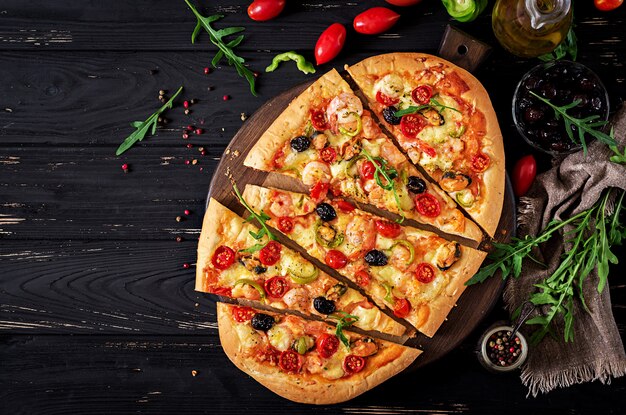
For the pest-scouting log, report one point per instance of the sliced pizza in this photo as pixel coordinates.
(442, 117)
(416, 273)
(328, 141)
(307, 361)
(237, 260)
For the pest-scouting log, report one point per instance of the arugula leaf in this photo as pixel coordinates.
(588, 125)
(346, 320)
(618, 158)
(260, 217)
(142, 127)
(388, 173)
(433, 104)
(566, 47)
(224, 49)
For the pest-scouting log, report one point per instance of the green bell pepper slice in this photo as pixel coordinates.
(253, 284)
(301, 63)
(464, 10)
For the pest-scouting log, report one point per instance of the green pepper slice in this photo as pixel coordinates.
(409, 246)
(301, 63)
(303, 279)
(464, 10)
(465, 198)
(253, 284)
(337, 240)
(359, 126)
(388, 296)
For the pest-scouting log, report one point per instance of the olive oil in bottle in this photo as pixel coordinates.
(529, 28)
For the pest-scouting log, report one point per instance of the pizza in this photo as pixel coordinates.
(442, 117)
(416, 273)
(307, 361)
(232, 263)
(328, 141)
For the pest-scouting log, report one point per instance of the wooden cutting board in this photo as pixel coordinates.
(475, 303)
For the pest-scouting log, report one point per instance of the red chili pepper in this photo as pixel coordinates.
(330, 43)
(375, 20)
(524, 174)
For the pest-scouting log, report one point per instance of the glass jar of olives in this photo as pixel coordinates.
(561, 83)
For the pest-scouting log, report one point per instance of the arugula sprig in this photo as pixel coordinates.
(433, 104)
(142, 127)
(593, 234)
(260, 217)
(618, 158)
(588, 125)
(225, 49)
(568, 46)
(388, 173)
(345, 320)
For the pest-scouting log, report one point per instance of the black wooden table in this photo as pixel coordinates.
(97, 312)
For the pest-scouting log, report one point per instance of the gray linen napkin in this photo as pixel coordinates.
(570, 187)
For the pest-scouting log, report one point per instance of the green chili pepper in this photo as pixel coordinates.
(337, 240)
(409, 246)
(359, 126)
(388, 295)
(253, 284)
(302, 64)
(303, 279)
(458, 132)
(303, 344)
(464, 10)
(465, 198)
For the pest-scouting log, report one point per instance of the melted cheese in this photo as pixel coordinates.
(248, 337)
(280, 337)
(369, 319)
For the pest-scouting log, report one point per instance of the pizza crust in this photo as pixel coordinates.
(292, 119)
(461, 271)
(209, 238)
(313, 389)
(487, 214)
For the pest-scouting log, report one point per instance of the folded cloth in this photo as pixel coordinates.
(597, 352)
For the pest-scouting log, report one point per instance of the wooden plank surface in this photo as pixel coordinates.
(97, 313)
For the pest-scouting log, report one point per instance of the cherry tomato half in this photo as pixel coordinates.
(326, 345)
(242, 314)
(524, 174)
(270, 253)
(427, 205)
(328, 154)
(367, 170)
(401, 308)
(425, 273)
(362, 278)
(290, 361)
(319, 190)
(285, 224)
(353, 364)
(318, 119)
(223, 257)
(422, 94)
(336, 259)
(276, 287)
(345, 206)
(386, 100)
(607, 5)
(388, 229)
(261, 10)
(330, 43)
(375, 20)
(480, 162)
(412, 124)
(403, 3)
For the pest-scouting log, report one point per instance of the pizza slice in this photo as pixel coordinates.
(328, 141)
(416, 273)
(307, 361)
(442, 117)
(233, 263)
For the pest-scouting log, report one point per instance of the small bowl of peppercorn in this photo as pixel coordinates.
(553, 97)
(499, 351)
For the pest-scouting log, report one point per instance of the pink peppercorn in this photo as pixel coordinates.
(187, 212)
(186, 104)
(226, 97)
(198, 131)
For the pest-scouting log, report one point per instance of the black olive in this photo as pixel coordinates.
(376, 258)
(326, 212)
(416, 185)
(323, 305)
(390, 117)
(262, 322)
(300, 143)
(259, 269)
(533, 114)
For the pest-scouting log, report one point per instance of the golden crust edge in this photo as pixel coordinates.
(319, 393)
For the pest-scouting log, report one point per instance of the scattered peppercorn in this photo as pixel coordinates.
(162, 92)
(187, 162)
(185, 136)
(185, 265)
(179, 218)
(209, 88)
(194, 162)
(125, 167)
(189, 145)
(243, 116)
(203, 153)
(194, 373)
(207, 70)
(187, 112)
(187, 212)
(226, 97)
(193, 101)
(186, 104)
(201, 149)
(198, 131)
(179, 239)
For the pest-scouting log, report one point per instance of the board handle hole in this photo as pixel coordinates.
(462, 50)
